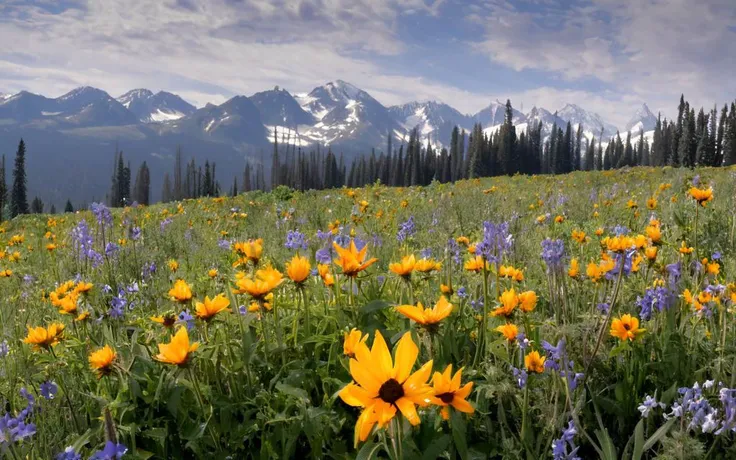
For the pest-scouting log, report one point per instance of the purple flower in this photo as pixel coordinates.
(83, 244)
(496, 242)
(553, 252)
(49, 390)
(425, 253)
(359, 244)
(149, 270)
(603, 308)
(659, 298)
(462, 292)
(186, 318)
(111, 250)
(224, 244)
(716, 255)
(165, 223)
(406, 230)
(68, 454)
(647, 405)
(454, 249)
(4, 349)
(295, 240)
(103, 214)
(520, 376)
(111, 451)
(135, 233)
(377, 240)
(324, 255)
(566, 442)
(323, 235)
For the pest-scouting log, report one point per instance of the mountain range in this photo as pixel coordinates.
(71, 139)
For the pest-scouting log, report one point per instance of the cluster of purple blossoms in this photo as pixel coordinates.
(149, 270)
(16, 428)
(4, 349)
(406, 230)
(295, 240)
(496, 242)
(165, 223)
(121, 300)
(186, 319)
(454, 248)
(556, 359)
(69, 454)
(649, 404)
(425, 253)
(83, 244)
(111, 250)
(134, 233)
(224, 244)
(564, 447)
(623, 262)
(659, 297)
(48, 390)
(553, 253)
(111, 451)
(102, 214)
(520, 376)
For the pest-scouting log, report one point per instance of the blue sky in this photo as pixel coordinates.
(608, 56)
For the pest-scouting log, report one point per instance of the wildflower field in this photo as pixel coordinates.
(589, 315)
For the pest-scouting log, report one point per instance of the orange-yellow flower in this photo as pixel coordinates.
(654, 233)
(448, 392)
(534, 362)
(652, 203)
(351, 341)
(298, 269)
(684, 249)
(651, 253)
(179, 350)
(620, 243)
(251, 250)
(351, 260)
(508, 330)
(446, 289)
(427, 265)
(714, 268)
(405, 267)
(384, 386)
(574, 269)
(324, 273)
(626, 328)
(266, 280)
(181, 292)
(509, 301)
(101, 361)
(579, 236)
(476, 264)
(701, 195)
(527, 301)
(511, 272)
(44, 337)
(427, 317)
(210, 307)
(173, 265)
(167, 320)
(212, 273)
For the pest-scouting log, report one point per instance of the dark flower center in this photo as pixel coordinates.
(446, 397)
(391, 391)
(169, 321)
(627, 326)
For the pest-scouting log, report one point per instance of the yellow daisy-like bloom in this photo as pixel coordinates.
(178, 351)
(351, 341)
(181, 292)
(652, 203)
(598, 231)
(44, 337)
(462, 240)
(298, 269)
(511, 272)
(50, 247)
(448, 392)
(405, 267)
(527, 301)
(212, 273)
(631, 204)
(7, 273)
(266, 280)
(654, 233)
(509, 301)
(651, 253)
(534, 362)
(173, 265)
(701, 195)
(714, 268)
(324, 273)
(351, 260)
(166, 320)
(559, 219)
(250, 250)
(83, 288)
(427, 317)
(579, 236)
(574, 269)
(82, 316)
(621, 243)
(427, 265)
(476, 264)
(68, 304)
(626, 328)
(384, 386)
(101, 361)
(684, 249)
(210, 307)
(510, 331)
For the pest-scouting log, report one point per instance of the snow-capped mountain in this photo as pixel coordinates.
(434, 120)
(347, 115)
(150, 107)
(279, 108)
(236, 121)
(643, 120)
(592, 122)
(495, 113)
(25, 106)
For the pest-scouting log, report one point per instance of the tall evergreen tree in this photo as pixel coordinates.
(18, 198)
(68, 207)
(37, 206)
(3, 189)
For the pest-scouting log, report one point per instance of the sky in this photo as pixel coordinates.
(607, 56)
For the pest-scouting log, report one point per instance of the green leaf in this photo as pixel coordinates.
(436, 447)
(374, 306)
(369, 450)
(459, 435)
(638, 441)
(292, 391)
(609, 450)
(659, 434)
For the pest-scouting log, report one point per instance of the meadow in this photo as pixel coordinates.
(589, 315)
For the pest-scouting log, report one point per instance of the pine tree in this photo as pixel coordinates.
(166, 189)
(52, 210)
(178, 190)
(577, 152)
(18, 199)
(37, 206)
(3, 189)
(142, 188)
(68, 207)
(275, 162)
(721, 134)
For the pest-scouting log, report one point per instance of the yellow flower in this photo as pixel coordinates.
(405, 267)
(574, 269)
(510, 331)
(534, 362)
(7, 273)
(701, 195)
(684, 249)
(652, 203)
(212, 273)
(598, 231)
(559, 219)
(427, 265)
(177, 351)
(211, 307)
(509, 301)
(50, 247)
(298, 269)
(427, 317)
(654, 233)
(651, 253)
(476, 264)
(324, 273)
(250, 250)
(102, 360)
(384, 386)
(167, 320)
(173, 265)
(620, 243)
(631, 204)
(265, 281)
(527, 301)
(462, 240)
(626, 328)
(445, 289)
(511, 272)
(351, 341)
(44, 337)
(447, 392)
(579, 236)
(82, 316)
(82, 287)
(181, 292)
(351, 260)
(541, 219)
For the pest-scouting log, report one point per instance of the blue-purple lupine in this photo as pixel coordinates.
(650, 403)
(406, 230)
(69, 454)
(496, 242)
(659, 297)
(520, 376)
(556, 359)
(83, 244)
(553, 253)
(48, 390)
(13, 429)
(295, 240)
(564, 447)
(111, 451)
(102, 214)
